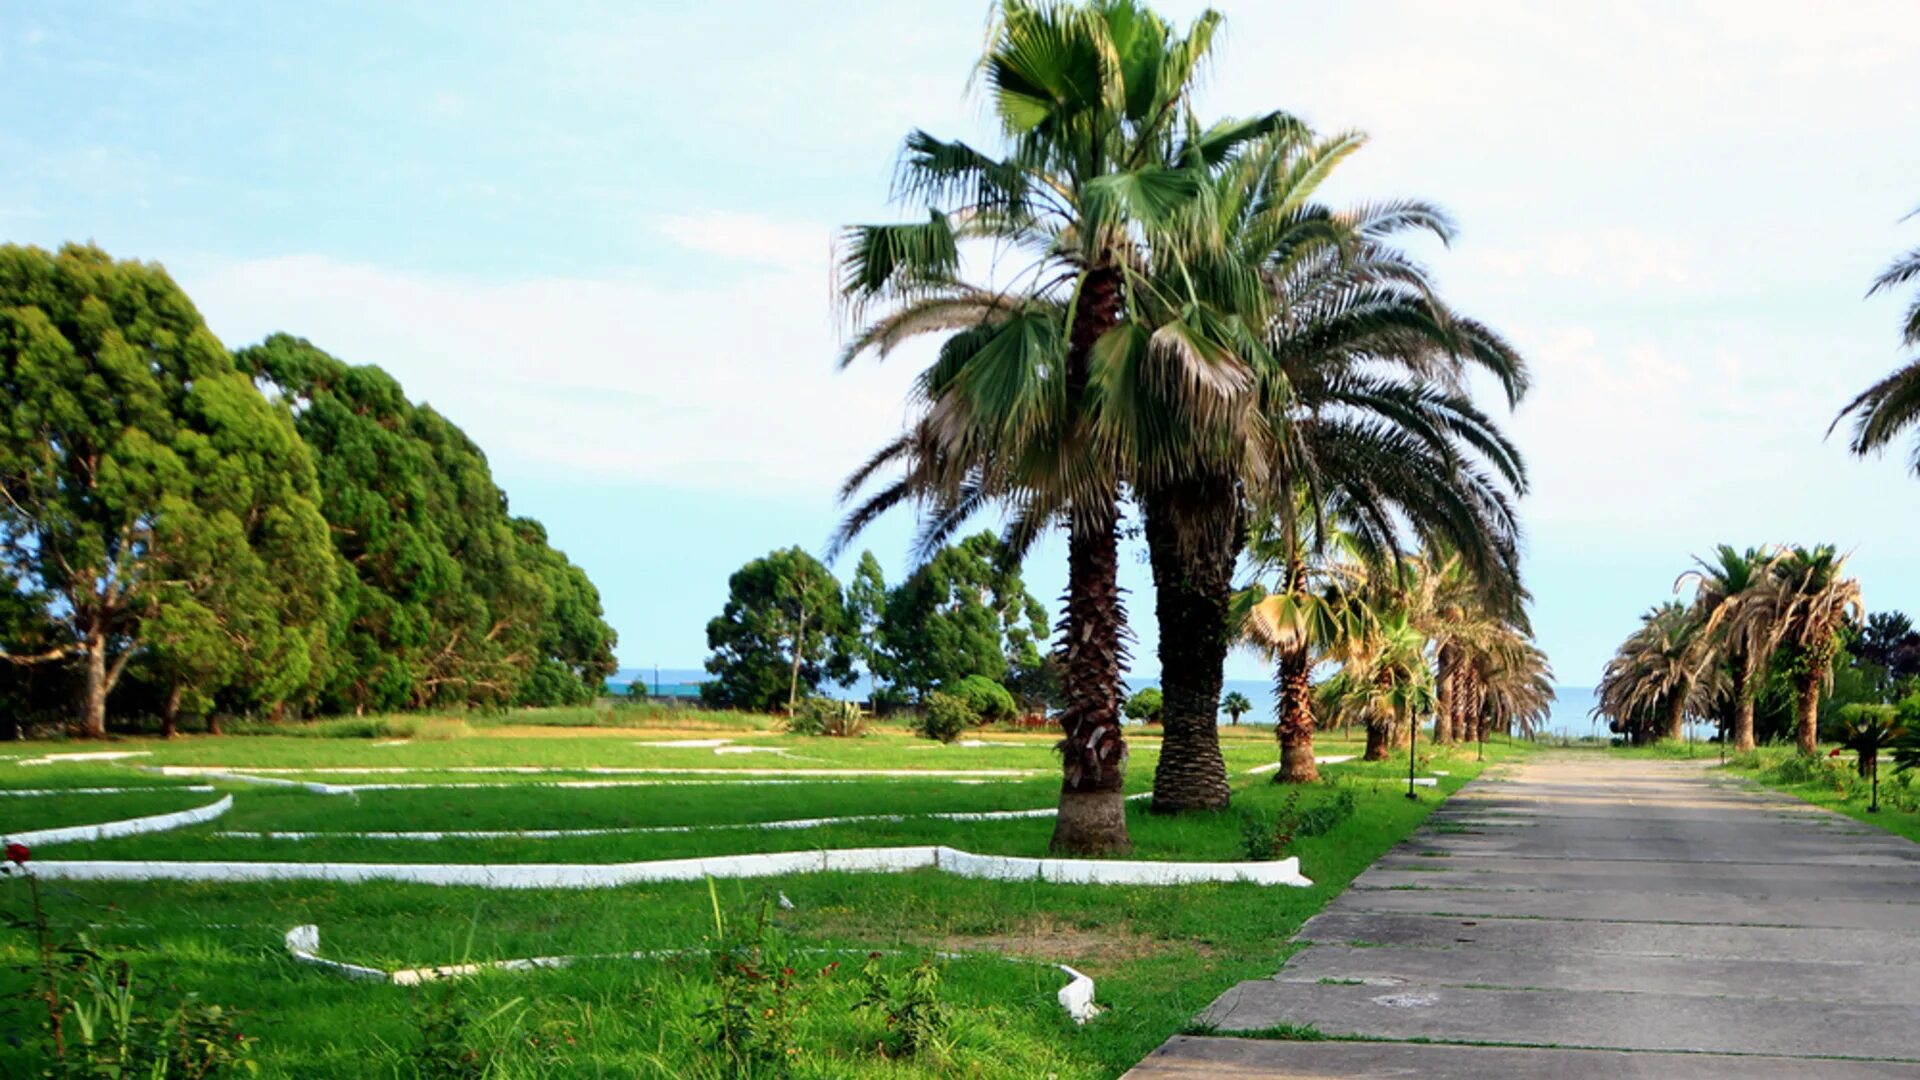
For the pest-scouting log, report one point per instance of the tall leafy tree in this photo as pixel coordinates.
(783, 632)
(151, 500)
(445, 598)
(1091, 99)
(964, 612)
(866, 612)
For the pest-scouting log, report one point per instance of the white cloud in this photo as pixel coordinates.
(729, 386)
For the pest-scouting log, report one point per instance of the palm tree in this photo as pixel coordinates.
(1511, 689)
(1315, 614)
(1740, 646)
(1890, 406)
(1016, 411)
(1351, 355)
(1385, 683)
(1235, 704)
(1653, 682)
(1802, 605)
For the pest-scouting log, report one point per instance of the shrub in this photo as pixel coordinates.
(917, 1020)
(760, 991)
(945, 717)
(828, 716)
(1324, 817)
(1146, 705)
(986, 697)
(1266, 834)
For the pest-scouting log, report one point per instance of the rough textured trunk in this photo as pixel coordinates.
(1093, 751)
(1295, 727)
(1742, 733)
(170, 714)
(94, 723)
(1193, 541)
(1445, 705)
(1677, 712)
(1807, 705)
(1379, 740)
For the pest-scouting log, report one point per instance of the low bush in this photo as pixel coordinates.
(945, 717)
(918, 1022)
(821, 715)
(985, 697)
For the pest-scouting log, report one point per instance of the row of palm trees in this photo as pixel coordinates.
(1707, 658)
(1141, 313)
(1411, 635)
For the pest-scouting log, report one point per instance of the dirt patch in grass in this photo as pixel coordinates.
(1038, 937)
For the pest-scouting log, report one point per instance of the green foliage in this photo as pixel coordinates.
(156, 505)
(1267, 834)
(784, 631)
(1235, 704)
(944, 717)
(918, 1023)
(866, 616)
(965, 612)
(760, 990)
(1146, 705)
(987, 698)
(445, 599)
(458, 1041)
(819, 715)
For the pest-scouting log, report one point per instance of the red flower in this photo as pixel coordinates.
(1836, 752)
(17, 853)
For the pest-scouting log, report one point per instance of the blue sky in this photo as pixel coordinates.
(597, 236)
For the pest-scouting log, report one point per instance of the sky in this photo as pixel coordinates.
(598, 237)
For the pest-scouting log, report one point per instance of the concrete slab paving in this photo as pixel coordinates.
(1603, 916)
(1187, 1057)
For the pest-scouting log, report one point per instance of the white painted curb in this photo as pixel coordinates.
(130, 827)
(303, 944)
(604, 875)
(198, 789)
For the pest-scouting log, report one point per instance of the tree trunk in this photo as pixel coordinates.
(1295, 727)
(1193, 542)
(1677, 712)
(94, 725)
(1093, 753)
(170, 715)
(1742, 709)
(1444, 706)
(1379, 738)
(799, 653)
(213, 722)
(1808, 706)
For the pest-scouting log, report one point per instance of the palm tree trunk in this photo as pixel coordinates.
(1808, 706)
(1093, 754)
(1677, 712)
(1444, 707)
(1379, 738)
(1742, 709)
(1295, 727)
(1193, 542)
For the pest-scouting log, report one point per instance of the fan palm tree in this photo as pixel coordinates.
(1352, 355)
(1653, 682)
(1866, 730)
(1019, 409)
(1384, 683)
(1802, 606)
(1890, 406)
(1740, 646)
(1235, 704)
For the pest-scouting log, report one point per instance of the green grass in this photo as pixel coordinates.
(24, 814)
(1159, 955)
(1835, 784)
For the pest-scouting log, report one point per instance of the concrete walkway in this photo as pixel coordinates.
(1601, 918)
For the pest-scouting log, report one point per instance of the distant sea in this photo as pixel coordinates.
(1571, 714)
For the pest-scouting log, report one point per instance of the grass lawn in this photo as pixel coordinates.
(1157, 954)
(1834, 783)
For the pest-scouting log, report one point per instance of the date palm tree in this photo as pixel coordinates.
(1654, 682)
(1019, 409)
(1235, 705)
(1511, 689)
(1802, 605)
(1385, 682)
(1739, 646)
(1892, 405)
